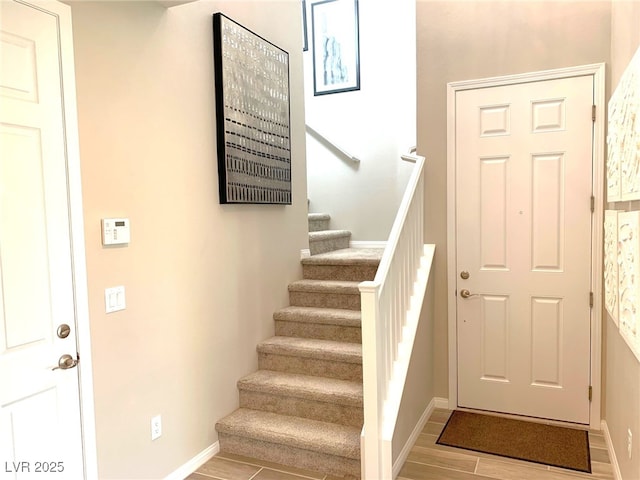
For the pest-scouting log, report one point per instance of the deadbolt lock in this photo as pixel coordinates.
(464, 275)
(63, 331)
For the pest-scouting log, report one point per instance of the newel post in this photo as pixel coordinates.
(371, 455)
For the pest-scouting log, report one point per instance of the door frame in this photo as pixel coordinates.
(598, 158)
(62, 13)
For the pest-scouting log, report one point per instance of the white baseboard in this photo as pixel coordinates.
(442, 402)
(304, 253)
(617, 475)
(436, 402)
(192, 465)
(368, 243)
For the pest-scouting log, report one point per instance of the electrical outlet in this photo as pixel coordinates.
(629, 442)
(156, 427)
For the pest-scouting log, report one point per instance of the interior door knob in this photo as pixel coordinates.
(464, 293)
(66, 362)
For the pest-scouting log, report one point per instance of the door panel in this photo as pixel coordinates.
(495, 349)
(546, 332)
(39, 404)
(493, 210)
(547, 211)
(523, 229)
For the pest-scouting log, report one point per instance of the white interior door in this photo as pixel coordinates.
(40, 432)
(523, 230)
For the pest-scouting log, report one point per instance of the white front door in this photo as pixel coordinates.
(523, 230)
(40, 433)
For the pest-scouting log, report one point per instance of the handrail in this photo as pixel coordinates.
(416, 180)
(342, 151)
(409, 157)
(391, 305)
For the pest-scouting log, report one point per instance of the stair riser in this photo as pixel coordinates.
(325, 300)
(320, 331)
(328, 245)
(285, 455)
(310, 366)
(318, 225)
(349, 273)
(299, 407)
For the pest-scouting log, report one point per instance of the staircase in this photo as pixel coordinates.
(303, 407)
(323, 240)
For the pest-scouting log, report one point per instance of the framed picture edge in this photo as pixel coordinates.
(219, 107)
(305, 37)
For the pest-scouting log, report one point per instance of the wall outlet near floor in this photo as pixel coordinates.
(156, 427)
(629, 442)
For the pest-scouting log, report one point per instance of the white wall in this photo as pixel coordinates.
(376, 124)
(622, 369)
(202, 279)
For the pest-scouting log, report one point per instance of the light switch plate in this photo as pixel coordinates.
(114, 299)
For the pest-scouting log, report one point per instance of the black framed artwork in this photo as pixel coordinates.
(252, 116)
(305, 38)
(335, 44)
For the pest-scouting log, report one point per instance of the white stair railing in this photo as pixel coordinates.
(391, 305)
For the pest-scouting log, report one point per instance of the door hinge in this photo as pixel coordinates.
(591, 299)
(593, 204)
(590, 392)
(593, 113)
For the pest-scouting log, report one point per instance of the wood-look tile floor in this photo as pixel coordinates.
(427, 460)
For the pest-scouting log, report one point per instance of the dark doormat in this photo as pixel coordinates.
(534, 442)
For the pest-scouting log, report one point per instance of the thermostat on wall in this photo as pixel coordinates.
(115, 231)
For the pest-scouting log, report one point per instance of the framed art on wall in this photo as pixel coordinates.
(305, 37)
(629, 279)
(623, 137)
(335, 44)
(252, 116)
(611, 263)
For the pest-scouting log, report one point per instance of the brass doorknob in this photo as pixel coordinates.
(464, 293)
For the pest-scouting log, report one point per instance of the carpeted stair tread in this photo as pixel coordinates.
(318, 216)
(328, 235)
(312, 348)
(346, 256)
(321, 389)
(318, 221)
(325, 316)
(322, 240)
(304, 406)
(312, 435)
(325, 286)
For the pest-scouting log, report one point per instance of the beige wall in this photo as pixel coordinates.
(202, 280)
(622, 369)
(468, 40)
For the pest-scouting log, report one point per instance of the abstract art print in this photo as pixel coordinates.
(623, 137)
(629, 279)
(611, 263)
(335, 44)
(252, 116)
